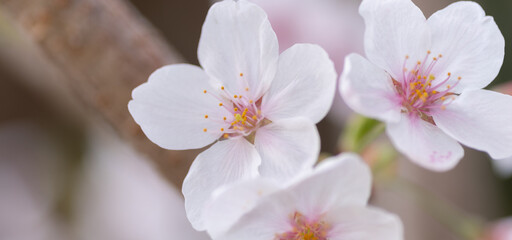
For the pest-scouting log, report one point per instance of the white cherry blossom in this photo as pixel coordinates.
(329, 202)
(256, 106)
(424, 78)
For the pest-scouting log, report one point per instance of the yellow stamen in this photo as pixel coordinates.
(205, 116)
(236, 109)
(443, 107)
(220, 104)
(222, 129)
(238, 117)
(250, 101)
(222, 88)
(204, 130)
(247, 89)
(204, 91)
(226, 135)
(241, 74)
(225, 118)
(235, 96)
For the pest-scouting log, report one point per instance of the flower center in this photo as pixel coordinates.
(421, 92)
(305, 229)
(245, 114)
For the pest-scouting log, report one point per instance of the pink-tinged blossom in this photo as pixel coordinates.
(334, 25)
(329, 202)
(256, 106)
(501, 230)
(424, 78)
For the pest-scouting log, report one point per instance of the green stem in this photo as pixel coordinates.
(370, 137)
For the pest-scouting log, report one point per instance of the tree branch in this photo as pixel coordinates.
(104, 49)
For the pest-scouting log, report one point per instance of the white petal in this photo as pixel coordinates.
(287, 147)
(363, 223)
(223, 163)
(231, 202)
(344, 180)
(425, 144)
(304, 85)
(369, 90)
(394, 29)
(171, 108)
(270, 217)
(237, 38)
(340, 181)
(480, 119)
(470, 42)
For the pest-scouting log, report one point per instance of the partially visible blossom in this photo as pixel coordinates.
(329, 202)
(334, 25)
(503, 167)
(121, 196)
(501, 230)
(257, 107)
(424, 78)
(29, 181)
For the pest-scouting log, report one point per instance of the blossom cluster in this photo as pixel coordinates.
(257, 108)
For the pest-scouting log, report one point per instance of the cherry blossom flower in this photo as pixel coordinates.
(424, 78)
(501, 230)
(329, 202)
(257, 107)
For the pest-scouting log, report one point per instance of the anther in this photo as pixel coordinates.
(222, 129)
(241, 74)
(406, 56)
(235, 96)
(419, 62)
(440, 55)
(204, 91)
(250, 101)
(205, 116)
(443, 107)
(246, 89)
(220, 104)
(226, 135)
(448, 86)
(204, 130)
(225, 118)
(459, 78)
(222, 88)
(429, 52)
(236, 109)
(449, 73)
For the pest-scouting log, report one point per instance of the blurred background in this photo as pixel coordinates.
(74, 165)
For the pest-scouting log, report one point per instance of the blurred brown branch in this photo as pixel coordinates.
(104, 49)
